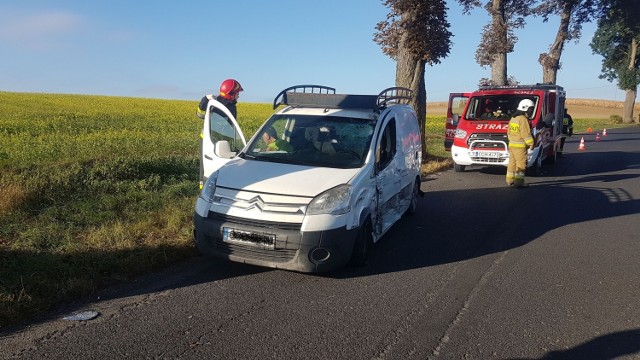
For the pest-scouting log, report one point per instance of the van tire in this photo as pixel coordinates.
(362, 246)
(458, 167)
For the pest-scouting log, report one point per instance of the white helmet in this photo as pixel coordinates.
(525, 104)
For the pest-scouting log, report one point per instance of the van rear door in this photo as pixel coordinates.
(221, 139)
(457, 104)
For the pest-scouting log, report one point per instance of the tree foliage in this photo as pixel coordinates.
(616, 40)
(618, 27)
(415, 33)
(498, 37)
(573, 14)
(419, 26)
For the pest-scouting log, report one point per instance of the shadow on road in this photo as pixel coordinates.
(605, 347)
(457, 225)
(460, 224)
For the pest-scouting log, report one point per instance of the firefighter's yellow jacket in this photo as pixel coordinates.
(519, 132)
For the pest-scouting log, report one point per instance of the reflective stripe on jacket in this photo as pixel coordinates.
(567, 121)
(202, 107)
(519, 132)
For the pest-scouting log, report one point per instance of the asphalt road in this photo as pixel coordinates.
(482, 271)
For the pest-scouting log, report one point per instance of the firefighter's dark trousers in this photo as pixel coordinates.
(517, 166)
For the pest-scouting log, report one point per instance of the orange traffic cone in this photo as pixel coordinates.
(598, 136)
(589, 129)
(604, 132)
(581, 147)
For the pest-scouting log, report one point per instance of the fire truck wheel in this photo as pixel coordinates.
(458, 167)
(536, 169)
(552, 154)
(552, 159)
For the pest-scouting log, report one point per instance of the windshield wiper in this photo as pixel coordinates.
(243, 155)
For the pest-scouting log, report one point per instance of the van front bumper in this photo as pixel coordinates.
(292, 249)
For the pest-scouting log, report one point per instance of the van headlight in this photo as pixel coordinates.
(461, 134)
(209, 188)
(334, 201)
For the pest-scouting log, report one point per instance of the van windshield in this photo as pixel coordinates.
(325, 141)
(496, 107)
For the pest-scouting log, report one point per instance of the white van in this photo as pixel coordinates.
(336, 173)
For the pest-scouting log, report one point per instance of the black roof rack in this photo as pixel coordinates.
(393, 95)
(300, 89)
(325, 97)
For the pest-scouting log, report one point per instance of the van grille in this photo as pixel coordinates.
(253, 222)
(252, 252)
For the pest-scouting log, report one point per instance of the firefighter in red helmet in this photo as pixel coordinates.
(229, 91)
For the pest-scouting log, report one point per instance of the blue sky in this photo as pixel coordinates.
(172, 49)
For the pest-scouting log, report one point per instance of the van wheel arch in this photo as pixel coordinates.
(363, 244)
(415, 195)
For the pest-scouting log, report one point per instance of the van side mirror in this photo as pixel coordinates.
(223, 150)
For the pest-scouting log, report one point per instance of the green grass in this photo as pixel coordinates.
(95, 190)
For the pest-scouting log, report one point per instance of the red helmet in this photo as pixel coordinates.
(230, 88)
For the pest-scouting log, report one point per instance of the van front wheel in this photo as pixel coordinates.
(363, 245)
(458, 167)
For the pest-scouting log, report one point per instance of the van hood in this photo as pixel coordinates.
(277, 178)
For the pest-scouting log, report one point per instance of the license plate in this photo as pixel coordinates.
(249, 238)
(487, 154)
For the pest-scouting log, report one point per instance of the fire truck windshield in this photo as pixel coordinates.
(496, 107)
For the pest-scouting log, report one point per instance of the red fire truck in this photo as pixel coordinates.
(476, 128)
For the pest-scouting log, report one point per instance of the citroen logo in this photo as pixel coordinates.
(256, 202)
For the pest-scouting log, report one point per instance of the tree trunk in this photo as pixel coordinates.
(549, 68)
(630, 96)
(410, 74)
(499, 69)
(551, 61)
(629, 103)
(499, 62)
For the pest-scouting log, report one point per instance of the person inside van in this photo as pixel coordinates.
(270, 137)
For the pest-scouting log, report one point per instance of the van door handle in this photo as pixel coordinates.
(208, 157)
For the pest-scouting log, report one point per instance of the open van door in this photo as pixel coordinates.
(457, 104)
(221, 140)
